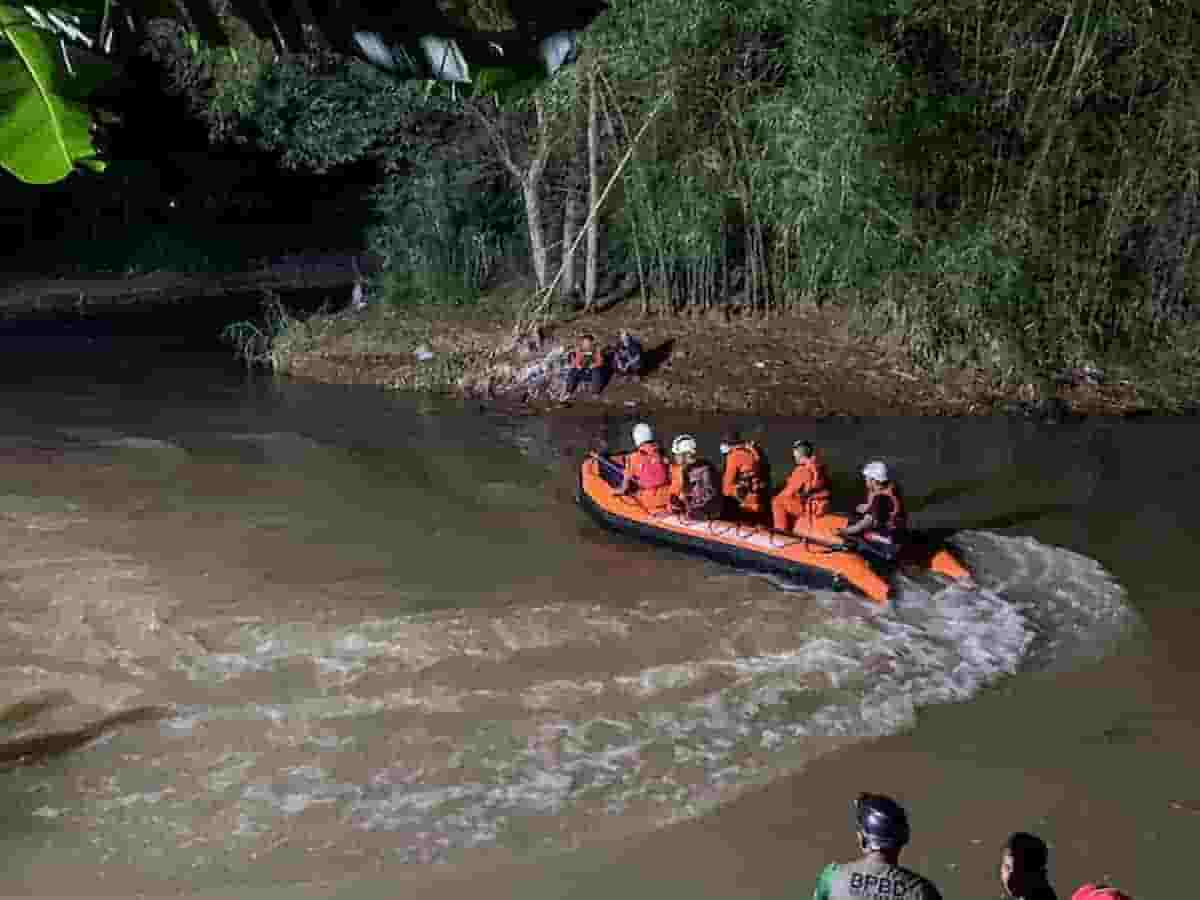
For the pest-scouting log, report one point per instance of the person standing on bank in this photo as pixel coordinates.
(882, 827)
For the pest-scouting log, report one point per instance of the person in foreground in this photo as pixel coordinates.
(745, 481)
(806, 494)
(647, 473)
(882, 519)
(695, 491)
(1023, 866)
(883, 831)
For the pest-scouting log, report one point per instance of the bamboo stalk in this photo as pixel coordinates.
(543, 297)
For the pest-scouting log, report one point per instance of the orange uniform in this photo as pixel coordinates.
(744, 481)
(806, 495)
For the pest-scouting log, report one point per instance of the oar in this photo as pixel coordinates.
(849, 542)
(612, 466)
(862, 545)
(808, 539)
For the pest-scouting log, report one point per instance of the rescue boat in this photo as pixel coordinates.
(814, 555)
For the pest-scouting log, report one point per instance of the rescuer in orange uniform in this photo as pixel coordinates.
(745, 481)
(806, 494)
(647, 473)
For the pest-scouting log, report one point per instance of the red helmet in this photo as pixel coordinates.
(1099, 892)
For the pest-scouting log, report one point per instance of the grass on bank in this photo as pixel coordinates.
(383, 339)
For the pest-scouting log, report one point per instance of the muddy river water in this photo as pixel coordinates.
(377, 650)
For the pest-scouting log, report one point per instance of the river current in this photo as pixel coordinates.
(370, 631)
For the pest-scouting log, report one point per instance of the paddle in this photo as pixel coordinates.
(612, 466)
(861, 545)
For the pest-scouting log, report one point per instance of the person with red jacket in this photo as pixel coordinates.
(647, 473)
(806, 494)
(586, 363)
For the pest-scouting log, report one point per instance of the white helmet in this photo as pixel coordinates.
(685, 443)
(876, 471)
(642, 433)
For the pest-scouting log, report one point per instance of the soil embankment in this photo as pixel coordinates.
(808, 365)
(804, 365)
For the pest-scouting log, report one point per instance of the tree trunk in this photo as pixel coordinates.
(593, 235)
(566, 283)
(528, 177)
(533, 218)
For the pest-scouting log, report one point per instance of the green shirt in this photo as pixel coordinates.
(869, 879)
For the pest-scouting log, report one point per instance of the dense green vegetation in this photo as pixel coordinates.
(1014, 186)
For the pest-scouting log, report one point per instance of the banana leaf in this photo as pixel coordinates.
(45, 128)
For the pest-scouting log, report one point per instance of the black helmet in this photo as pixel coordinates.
(881, 821)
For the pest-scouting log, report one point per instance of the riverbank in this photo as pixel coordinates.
(809, 365)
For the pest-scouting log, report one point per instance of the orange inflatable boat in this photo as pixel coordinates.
(814, 555)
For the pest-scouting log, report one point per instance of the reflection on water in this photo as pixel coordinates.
(384, 633)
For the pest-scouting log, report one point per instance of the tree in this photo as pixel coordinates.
(46, 73)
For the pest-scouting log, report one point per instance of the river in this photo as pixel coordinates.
(378, 648)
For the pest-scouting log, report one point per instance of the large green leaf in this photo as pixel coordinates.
(45, 131)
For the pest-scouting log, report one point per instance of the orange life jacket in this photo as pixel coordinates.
(648, 467)
(590, 360)
(898, 518)
(744, 471)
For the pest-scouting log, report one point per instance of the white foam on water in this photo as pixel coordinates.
(672, 735)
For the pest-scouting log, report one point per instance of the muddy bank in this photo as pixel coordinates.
(808, 365)
(805, 366)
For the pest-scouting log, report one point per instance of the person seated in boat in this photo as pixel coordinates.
(745, 480)
(586, 364)
(698, 493)
(882, 520)
(1023, 868)
(647, 474)
(806, 494)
